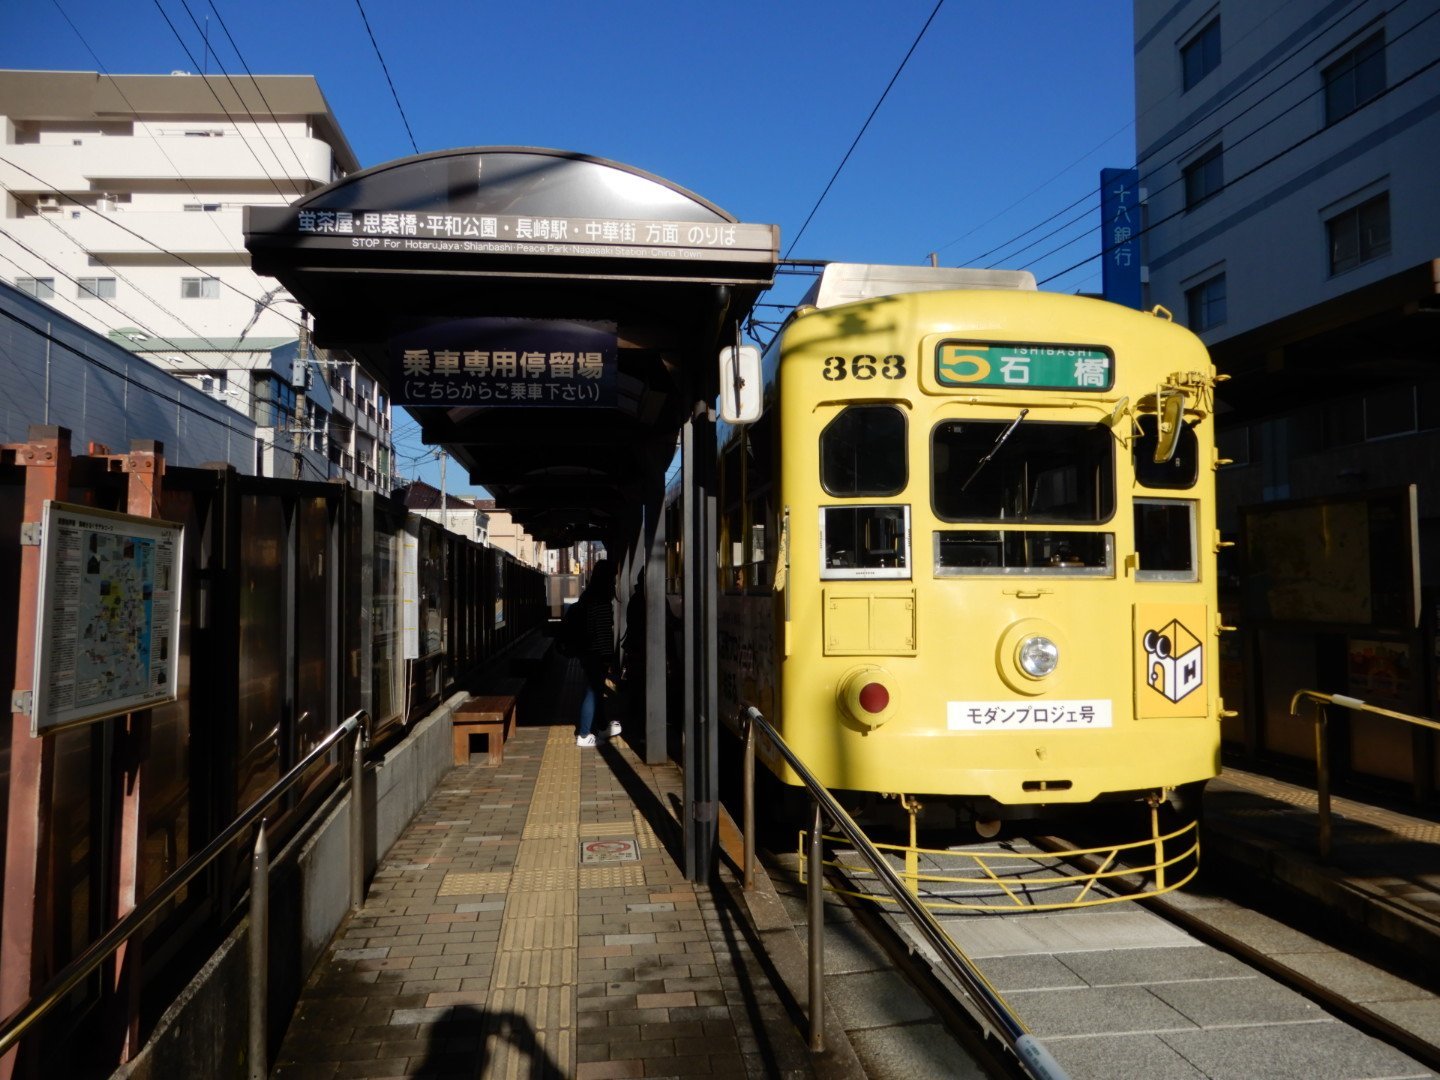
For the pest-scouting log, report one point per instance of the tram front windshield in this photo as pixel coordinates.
(1038, 473)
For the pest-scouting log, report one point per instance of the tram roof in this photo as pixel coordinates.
(846, 283)
(427, 245)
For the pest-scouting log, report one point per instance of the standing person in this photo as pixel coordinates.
(590, 628)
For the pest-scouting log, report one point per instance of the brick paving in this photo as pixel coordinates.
(485, 948)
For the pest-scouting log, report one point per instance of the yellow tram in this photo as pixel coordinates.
(968, 549)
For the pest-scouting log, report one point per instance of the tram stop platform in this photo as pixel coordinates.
(1380, 883)
(533, 920)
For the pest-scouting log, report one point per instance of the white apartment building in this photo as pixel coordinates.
(122, 209)
(1290, 152)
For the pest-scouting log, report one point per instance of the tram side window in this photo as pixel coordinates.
(862, 452)
(1181, 471)
(1165, 540)
(760, 491)
(865, 541)
(732, 525)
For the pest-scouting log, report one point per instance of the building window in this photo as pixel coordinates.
(1205, 304)
(1359, 235)
(1390, 412)
(272, 402)
(1354, 79)
(209, 207)
(42, 288)
(200, 288)
(1204, 176)
(102, 288)
(216, 384)
(1201, 54)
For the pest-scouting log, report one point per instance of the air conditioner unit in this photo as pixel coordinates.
(48, 204)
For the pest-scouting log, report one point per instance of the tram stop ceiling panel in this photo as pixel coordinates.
(548, 317)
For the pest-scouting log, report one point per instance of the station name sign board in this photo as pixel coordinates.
(507, 234)
(108, 622)
(485, 362)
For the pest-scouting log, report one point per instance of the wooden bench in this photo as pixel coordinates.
(491, 715)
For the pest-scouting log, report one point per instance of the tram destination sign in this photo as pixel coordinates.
(485, 362)
(509, 234)
(108, 620)
(1023, 367)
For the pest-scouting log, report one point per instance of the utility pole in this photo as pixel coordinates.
(444, 521)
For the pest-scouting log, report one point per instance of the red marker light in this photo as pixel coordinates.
(874, 698)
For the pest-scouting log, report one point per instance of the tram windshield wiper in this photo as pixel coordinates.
(999, 442)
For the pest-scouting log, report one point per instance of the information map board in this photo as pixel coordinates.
(108, 619)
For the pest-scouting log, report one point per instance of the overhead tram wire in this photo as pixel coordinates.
(256, 83)
(386, 68)
(144, 239)
(1235, 180)
(128, 281)
(96, 362)
(137, 323)
(206, 79)
(856, 142)
(1230, 146)
(241, 99)
(115, 84)
(1298, 50)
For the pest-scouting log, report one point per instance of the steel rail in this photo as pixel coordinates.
(1034, 1058)
(1320, 699)
(70, 976)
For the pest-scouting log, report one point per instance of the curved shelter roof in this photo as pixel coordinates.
(480, 285)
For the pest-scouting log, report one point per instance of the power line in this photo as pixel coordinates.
(206, 80)
(104, 300)
(159, 145)
(385, 68)
(856, 142)
(144, 239)
(1247, 173)
(241, 99)
(122, 375)
(1297, 51)
(258, 89)
(89, 254)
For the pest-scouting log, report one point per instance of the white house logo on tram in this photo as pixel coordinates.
(1176, 660)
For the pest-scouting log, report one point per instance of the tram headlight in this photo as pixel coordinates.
(1038, 656)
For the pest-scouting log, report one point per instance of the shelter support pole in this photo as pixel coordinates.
(26, 909)
(144, 466)
(701, 729)
(656, 685)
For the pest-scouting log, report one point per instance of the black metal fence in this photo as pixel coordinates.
(301, 604)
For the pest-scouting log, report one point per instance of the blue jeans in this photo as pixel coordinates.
(592, 705)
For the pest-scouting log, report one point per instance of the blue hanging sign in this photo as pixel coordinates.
(1120, 235)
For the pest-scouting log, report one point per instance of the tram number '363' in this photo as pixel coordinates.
(864, 367)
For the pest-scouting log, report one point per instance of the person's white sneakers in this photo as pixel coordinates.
(584, 740)
(612, 728)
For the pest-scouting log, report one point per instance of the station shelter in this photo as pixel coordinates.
(554, 321)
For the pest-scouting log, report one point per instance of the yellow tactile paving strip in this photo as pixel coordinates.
(611, 877)
(474, 884)
(535, 965)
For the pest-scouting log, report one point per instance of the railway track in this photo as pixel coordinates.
(1189, 985)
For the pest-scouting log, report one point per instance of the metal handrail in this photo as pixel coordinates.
(70, 976)
(1320, 699)
(1034, 1058)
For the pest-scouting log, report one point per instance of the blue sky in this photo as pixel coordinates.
(1003, 116)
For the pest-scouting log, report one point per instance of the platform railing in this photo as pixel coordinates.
(1032, 1055)
(84, 965)
(1320, 699)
